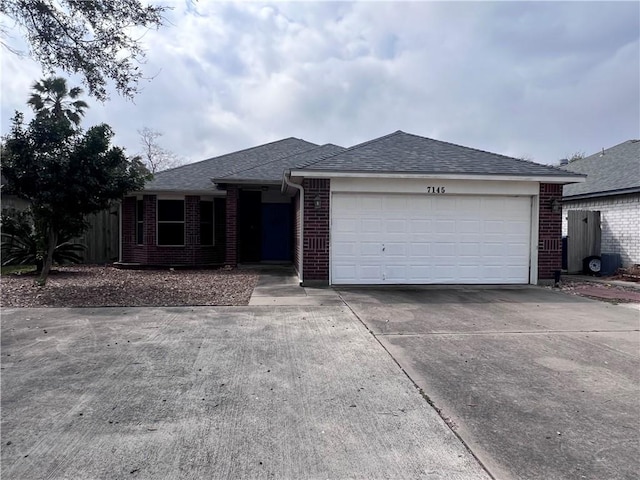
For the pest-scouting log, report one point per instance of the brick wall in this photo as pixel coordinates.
(549, 232)
(620, 223)
(316, 231)
(149, 253)
(231, 251)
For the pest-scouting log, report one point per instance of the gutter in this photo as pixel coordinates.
(289, 183)
(606, 193)
(569, 178)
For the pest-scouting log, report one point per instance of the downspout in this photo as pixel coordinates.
(300, 189)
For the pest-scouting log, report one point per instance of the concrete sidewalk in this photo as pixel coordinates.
(213, 392)
(279, 285)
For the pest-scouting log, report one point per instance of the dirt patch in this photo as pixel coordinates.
(106, 286)
(608, 292)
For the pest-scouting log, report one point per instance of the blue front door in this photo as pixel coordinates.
(276, 232)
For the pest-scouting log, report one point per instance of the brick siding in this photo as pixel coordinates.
(316, 231)
(149, 253)
(549, 232)
(620, 223)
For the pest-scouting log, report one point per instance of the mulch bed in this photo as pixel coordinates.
(608, 292)
(106, 286)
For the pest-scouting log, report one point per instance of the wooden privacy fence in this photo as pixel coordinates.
(102, 237)
(583, 237)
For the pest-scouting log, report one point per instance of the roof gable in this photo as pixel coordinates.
(616, 169)
(402, 152)
(197, 176)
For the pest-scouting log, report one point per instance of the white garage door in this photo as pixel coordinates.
(420, 239)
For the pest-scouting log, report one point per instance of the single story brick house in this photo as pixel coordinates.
(613, 189)
(399, 209)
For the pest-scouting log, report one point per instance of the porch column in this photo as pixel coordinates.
(231, 252)
(549, 232)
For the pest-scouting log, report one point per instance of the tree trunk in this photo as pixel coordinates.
(52, 238)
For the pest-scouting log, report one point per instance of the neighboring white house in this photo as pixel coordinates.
(613, 189)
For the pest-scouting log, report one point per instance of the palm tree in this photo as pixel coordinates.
(51, 96)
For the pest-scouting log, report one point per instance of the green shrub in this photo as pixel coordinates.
(21, 243)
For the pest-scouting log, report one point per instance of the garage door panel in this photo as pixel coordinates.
(342, 225)
(395, 226)
(395, 249)
(494, 226)
(405, 239)
(445, 204)
(469, 249)
(444, 261)
(444, 238)
(470, 204)
(516, 250)
(345, 249)
(370, 225)
(489, 249)
(468, 226)
(419, 249)
(420, 226)
(493, 271)
(444, 226)
(344, 273)
(469, 272)
(395, 273)
(441, 249)
(442, 272)
(369, 203)
(370, 273)
(371, 249)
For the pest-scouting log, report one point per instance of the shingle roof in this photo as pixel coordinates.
(402, 152)
(617, 170)
(197, 176)
(273, 171)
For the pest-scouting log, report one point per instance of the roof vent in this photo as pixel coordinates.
(602, 154)
(564, 161)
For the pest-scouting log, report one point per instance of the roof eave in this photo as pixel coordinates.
(248, 181)
(563, 179)
(607, 193)
(175, 191)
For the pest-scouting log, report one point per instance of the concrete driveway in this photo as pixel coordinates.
(241, 392)
(539, 384)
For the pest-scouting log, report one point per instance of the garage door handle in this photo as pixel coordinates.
(383, 247)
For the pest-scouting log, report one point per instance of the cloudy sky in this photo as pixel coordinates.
(535, 79)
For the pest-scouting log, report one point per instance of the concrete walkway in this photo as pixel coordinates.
(279, 286)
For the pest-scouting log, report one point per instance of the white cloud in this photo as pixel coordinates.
(539, 79)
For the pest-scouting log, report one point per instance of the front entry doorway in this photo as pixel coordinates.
(264, 227)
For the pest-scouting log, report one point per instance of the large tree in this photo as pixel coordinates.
(94, 38)
(65, 173)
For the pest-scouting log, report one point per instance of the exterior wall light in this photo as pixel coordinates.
(555, 205)
(317, 202)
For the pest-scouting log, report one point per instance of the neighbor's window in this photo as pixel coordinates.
(139, 222)
(170, 222)
(206, 223)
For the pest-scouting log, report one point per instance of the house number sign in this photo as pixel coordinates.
(431, 189)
